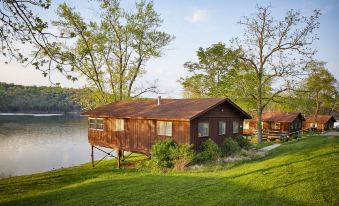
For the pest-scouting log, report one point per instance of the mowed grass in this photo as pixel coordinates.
(303, 172)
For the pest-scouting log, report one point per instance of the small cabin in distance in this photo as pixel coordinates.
(323, 122)
(135, 125)
(276, 123)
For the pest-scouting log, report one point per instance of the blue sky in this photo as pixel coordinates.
(196, 23)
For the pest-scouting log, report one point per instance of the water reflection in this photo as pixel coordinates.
(31, 144)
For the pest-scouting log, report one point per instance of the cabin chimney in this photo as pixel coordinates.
(159, 100)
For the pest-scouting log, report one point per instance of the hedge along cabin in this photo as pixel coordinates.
(136, 124)
(276, 123)
(323, 122)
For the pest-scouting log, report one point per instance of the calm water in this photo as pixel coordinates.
(32, 144)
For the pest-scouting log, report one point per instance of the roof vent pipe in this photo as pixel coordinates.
(159, 100)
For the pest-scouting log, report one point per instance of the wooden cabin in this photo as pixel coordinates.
(323, 122)
(275, 123)
(136, 124)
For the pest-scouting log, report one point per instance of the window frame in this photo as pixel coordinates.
(233, 127)
(219, 124)
(96, 124)
(246, 123)
(165, 128)
(208, 132)
(116, 129)
(274, 125)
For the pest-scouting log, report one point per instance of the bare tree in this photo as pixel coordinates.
(276, 52)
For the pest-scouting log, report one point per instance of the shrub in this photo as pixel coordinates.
(209, 151)
(161, 153)
(243, 142)
(230, 147)
(182, 155)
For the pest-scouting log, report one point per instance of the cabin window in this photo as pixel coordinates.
(235, 127)
(164, 128)
(119, 125)
(96, 123)
(203, 129)
(222, 127)
(246, 125)
(314, 125)
(296, 125)
(275, 125)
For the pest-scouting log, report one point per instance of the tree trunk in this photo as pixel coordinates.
(317, 109)
(259, 126)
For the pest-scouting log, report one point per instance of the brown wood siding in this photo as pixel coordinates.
(138, 134)
(220, 113)
(285, 127)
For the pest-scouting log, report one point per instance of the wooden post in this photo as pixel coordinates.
(123, 155)
(92, 156)
(119, 158)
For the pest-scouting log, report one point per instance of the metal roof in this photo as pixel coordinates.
(281, 116)
(321, 119)
(169, 109)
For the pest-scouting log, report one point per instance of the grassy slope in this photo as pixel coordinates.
(297, 173)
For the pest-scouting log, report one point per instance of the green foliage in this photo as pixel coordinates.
(111, 53)
(230, 147)
(20, 24)
(218, 73)
(243, 142)
(166, 154)
(17, 98)
(209, 151)
(182, 155)
(161, 153)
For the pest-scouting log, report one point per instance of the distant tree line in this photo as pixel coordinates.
(18, 98)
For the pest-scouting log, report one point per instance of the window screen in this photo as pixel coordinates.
(203, 129)
(235, 127)
(164, 128)
(222, 127)
(96, 123)
(119, 125)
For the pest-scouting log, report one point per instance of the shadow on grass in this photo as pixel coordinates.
(158, 190)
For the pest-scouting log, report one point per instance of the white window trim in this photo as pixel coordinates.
(165, 131)
(274, 125)
(224, 122)
(208, 129)
(235, 132)
(116, 125)
(103, 124)
(246, 125)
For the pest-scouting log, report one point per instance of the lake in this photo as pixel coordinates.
(41, 142)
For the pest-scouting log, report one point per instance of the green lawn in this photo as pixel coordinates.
(303, 172)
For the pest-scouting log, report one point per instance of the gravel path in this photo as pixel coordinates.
(268, 148)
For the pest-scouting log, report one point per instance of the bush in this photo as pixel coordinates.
(209, 151)
(243, 142)
(166, 154)
(230, 147)
(182, 155)
(161, 153)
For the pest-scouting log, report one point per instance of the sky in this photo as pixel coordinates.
(194, 23)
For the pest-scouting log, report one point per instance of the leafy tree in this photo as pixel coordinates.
(112, 54)
(217, 73)
(21, 25)
(276, 53)
(321, 87)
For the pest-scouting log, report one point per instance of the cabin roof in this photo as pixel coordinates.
(321, 119)
(281, 116)
(169, 109)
